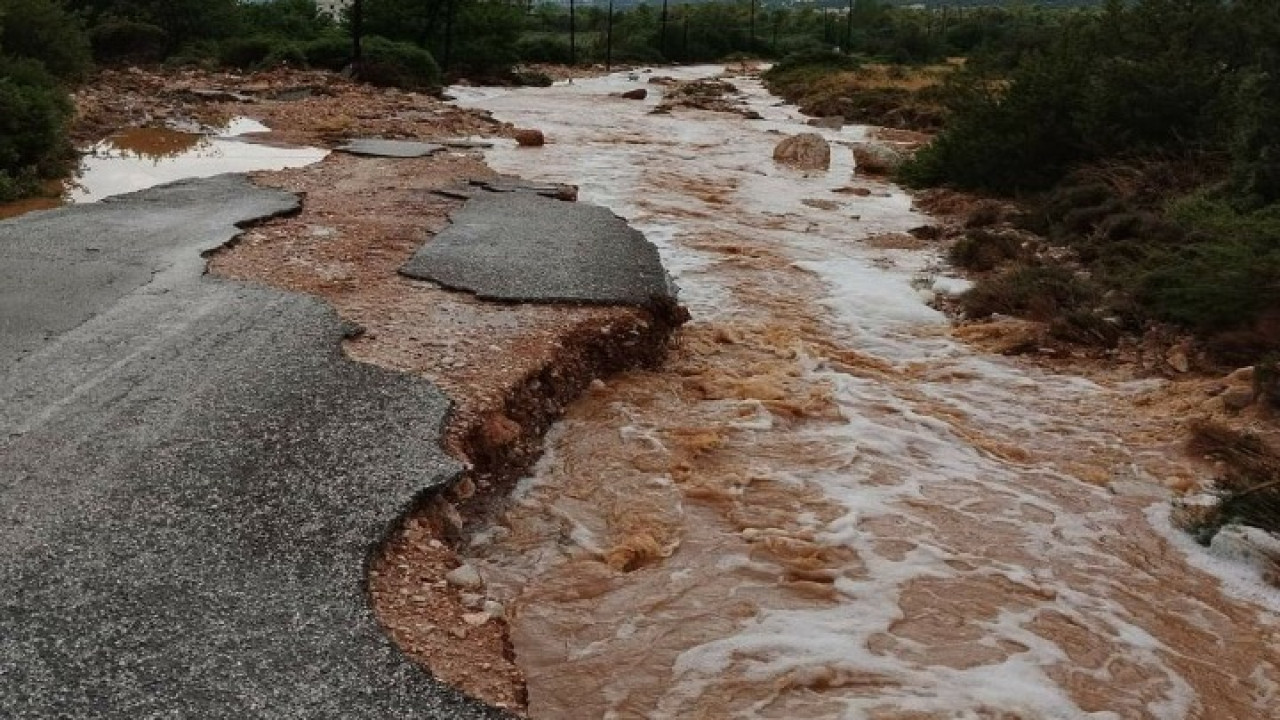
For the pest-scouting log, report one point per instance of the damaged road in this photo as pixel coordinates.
(192, 477)
(522, 246)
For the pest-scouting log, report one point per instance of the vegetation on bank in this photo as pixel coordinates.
(1144, 140)
(1140, 143)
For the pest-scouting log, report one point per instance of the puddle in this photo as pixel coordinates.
(139, 158)
(824, 505)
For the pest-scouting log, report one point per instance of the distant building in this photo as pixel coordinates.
(333, 7)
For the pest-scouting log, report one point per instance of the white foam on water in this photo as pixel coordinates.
(949, 450)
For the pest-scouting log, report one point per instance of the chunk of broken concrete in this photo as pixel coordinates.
(377, 147)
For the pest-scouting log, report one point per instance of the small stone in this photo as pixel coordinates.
(527, 137)
(465, 576)
(637, 94)
(1239, 398)
(1177, 359)
(472, 601)
(834, 122)
(493, 608)
(474, 619)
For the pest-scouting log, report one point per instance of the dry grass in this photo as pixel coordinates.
(1249, 487)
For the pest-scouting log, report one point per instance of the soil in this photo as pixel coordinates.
(301, 106)
(510, 369)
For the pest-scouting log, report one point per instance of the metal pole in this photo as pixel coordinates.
(753, 22)
(608, 43)
(848, 31)
(448, 33)
(664, 31)
(573, 33)
(684, 52)
(357, 29)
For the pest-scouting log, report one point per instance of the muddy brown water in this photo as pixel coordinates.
(824, 506)
(138, 158)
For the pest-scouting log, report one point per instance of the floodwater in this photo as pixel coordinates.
(139, 158)
(824, 505)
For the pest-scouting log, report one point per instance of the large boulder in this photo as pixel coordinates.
(877, 158)
(807, 151)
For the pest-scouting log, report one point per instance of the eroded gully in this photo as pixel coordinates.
(824, 505)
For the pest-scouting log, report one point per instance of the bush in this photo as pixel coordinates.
(35, 114)
(332, 52)
(531, 78)
(1039, 292)
(202, 54)
(982, 250)
(543, 48)
(245, 53)
(286, 54)
(1248, 490)
(43, 31)
(125, 41)
(1226, 273)
(395, 64)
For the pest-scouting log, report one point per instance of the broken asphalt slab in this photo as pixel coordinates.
(192, 477)
(520, 246)
(376, 147)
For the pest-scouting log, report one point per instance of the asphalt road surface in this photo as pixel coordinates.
(522, 246)
(192, 477)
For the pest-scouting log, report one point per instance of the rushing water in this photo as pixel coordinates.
(824, 505)
(139, 158)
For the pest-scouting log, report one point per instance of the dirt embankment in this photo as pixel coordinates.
(1031, 299)
(301, 106)
(510, 369)
(889, 96)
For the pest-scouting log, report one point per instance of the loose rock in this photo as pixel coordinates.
(876, 159)
(637, 94)
(530, 138)
(1238, 398)
(465, 576)
(807, 151)
(834, 122)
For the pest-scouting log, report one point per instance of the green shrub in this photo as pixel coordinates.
(35, 114)
(395, 64)
(118, 40)
(245, 53)
(531, 78)
(44, 31)
(1039, 292)
(285, 54)
(201, 53)
(331, 52)
(1224, 274)
(543, 48)
(981, 250)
